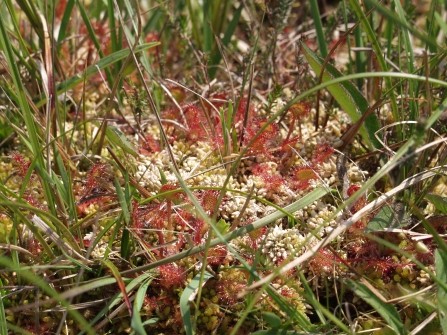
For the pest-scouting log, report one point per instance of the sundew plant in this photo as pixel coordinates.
(223, 167)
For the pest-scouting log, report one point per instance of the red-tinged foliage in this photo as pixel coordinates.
(199, 230)
(363, 248)
(380, 267)
(360, 203)
(217, 255)
(321, 153)
(152, 216)
(153, 36)
(149, 145)
(208, 200)
(34, 246)
(272, 181)
(324, 261)
(267, 140)
(196, 121)
(175, 197)
(31, 199)
(20, 163)
(102, 34)
(256, 237)
(241, 110)
(299, 109)
(98, 180)
(301, 177)
(286, 152)
(83, 205)
(228, 290)
(60, 9)
(171, 276)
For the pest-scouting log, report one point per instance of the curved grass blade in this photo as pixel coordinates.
(3, 328)
(347, 95)
(118, 297)
(387, 311)
(136, 322)
(120, 282)
(187, 296)
(93, 69)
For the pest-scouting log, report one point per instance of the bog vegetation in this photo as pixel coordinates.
(223, 167)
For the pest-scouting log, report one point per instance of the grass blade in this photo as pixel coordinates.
(225, 40)
(387, 311)
(93, 69)
(322, 45)
(441, 272)
(136, 322)
(347, 95)
(187, 296)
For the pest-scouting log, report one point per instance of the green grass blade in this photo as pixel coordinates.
(378, 51)
(207, 31)
(185, 298)
(225, 40)
(391, 16)
(387, 311)
(194, 24)
(347, 95)
(93, 69)
(65, 21)
(414, 113)
(32, 131)
(124, 203)
(136, 322)
(322, 45)
(118, 297)
(30, 277)
(120, 140)
(441, 273)
(3, 328)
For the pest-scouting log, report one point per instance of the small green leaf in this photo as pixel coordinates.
(222, 226)
(441, 272)
(387, 311)
(163, 179)
(187, 295)
(347, 95)
(439, 202)
(394, 216)
(120, 140)
(272, 319)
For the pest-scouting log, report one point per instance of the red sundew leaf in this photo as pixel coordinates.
(323, 262)
(228, 290)
(171, 276)
(300, 109)
(321, 153)
(20, 163)
(175, 196)
(217, 255)
(360, 203)
(271, 180)
(302, 175)
(208, 200)
(240, 114)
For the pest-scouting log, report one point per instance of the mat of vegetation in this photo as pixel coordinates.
(223, 167)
